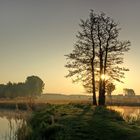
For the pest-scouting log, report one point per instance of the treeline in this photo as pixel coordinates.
(33, 86)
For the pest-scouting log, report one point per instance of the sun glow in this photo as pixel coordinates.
(104, 77)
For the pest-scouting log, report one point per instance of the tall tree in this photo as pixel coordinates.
(110, 54)
(82, 61)
(97, 53)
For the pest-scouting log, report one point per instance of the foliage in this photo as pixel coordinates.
(97, 52)
(110, 88)
(35, 85)
(31, 87)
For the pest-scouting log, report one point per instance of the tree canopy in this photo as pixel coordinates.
(97, 53)
(33, 86)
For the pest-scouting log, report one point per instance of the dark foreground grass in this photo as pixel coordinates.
(78, 122)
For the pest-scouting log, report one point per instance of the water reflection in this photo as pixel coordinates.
(10, 121)
(126, 110)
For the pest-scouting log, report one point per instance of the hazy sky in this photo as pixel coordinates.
(36, 34)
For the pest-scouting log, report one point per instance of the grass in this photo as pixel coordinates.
(78, 122)
(25, 103)
(31, 103)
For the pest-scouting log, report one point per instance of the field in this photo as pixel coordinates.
(30, 103)
(33, 103)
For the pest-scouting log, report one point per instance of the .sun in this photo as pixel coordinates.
(104, 77)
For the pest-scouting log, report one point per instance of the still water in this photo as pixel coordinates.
(127, 110)
(10, 121)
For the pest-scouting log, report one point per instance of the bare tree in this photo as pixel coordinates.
(110, 52)
(82, 61)
(97, 53)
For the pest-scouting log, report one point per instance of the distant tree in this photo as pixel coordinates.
(8, 90)
(34, 85)
(110, 88)
(97, 53)
(2, 91)
(20, 89)
(128, 92)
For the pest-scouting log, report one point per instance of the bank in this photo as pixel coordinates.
(78, 122)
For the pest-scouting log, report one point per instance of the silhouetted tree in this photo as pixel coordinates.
(110, 88)
(82, 61)
(97, 53)
(110, 52)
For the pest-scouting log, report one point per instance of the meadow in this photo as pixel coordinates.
(31, 103)
(27, 103)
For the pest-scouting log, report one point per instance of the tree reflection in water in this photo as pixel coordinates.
(10, 122)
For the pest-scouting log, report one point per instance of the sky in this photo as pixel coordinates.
(36, 34)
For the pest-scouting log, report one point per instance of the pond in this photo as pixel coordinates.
(127, 110)
(10, 121)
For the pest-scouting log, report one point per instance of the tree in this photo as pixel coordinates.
(97, 53)
(2, 90)
(110, 53)
(110, 88)
(34, 85)
(82, 61)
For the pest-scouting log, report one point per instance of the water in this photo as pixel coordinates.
(7, 129)
(10, 121)
(127, 110)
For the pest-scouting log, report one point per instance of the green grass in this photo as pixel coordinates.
(79, 122)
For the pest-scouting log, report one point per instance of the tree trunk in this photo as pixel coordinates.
(102, 93)
(101, 81)
(103, 90)
(94, 102)
(101, 100)
(92, 65)
(94, 99)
